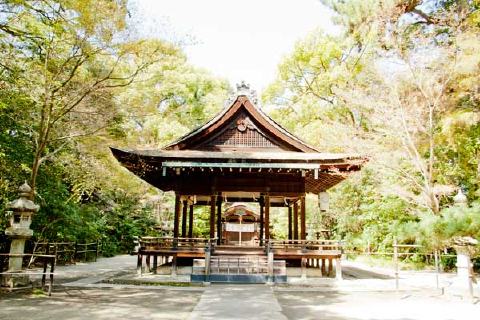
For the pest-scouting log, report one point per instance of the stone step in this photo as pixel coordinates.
(238, 264)
(239, 269)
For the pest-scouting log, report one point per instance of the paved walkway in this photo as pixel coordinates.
(101, 268)
(238, 302)
(366, 295)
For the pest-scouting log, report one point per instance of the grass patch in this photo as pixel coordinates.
(37, 293)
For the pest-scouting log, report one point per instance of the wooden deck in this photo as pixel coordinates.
(306, 253)
(190, 248)
(195, 247)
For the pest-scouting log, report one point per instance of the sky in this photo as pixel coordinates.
(237, 40)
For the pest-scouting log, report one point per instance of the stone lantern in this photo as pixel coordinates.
(21, 212)
(465, 247)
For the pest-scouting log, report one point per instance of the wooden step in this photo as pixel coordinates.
(236, 253)
(237, 250)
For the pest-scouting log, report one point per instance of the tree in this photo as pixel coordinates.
(423, 91)
(410, 102)
(312, 91)
(172, 100)
(67, 58)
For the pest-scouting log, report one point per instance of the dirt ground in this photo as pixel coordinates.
(365, 293)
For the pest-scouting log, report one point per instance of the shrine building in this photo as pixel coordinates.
(240, 156)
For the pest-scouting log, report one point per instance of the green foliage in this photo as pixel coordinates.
(15, 151)
(124, 220)
(201, 227)
(400, 83)
(110, 216)
(174, 99)
(458, 153)
(363, 216)
(437, 231)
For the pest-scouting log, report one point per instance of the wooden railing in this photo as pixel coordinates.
(69, 252)
(165, 247)
(312, 253)
(159, 243)
(305, 245)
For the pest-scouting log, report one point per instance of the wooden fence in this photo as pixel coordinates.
(69, 252)
(48, 254)
(404, 250)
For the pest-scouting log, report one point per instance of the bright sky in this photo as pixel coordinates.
(238, 40)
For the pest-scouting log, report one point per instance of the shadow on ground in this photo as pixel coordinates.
(84, 303)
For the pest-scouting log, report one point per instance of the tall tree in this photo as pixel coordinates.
(68, 57)
(394, 75)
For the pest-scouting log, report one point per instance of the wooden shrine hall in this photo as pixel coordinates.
(241, 155)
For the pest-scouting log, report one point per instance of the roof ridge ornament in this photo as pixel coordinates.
(243, 89)
(243, 86)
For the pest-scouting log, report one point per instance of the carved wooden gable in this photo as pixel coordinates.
(241, 127)
(240, 133)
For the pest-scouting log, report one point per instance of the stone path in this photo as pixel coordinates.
(238, 302)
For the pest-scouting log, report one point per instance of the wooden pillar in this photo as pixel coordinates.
(184, 218)
(267, 217)
(190, 222)
(295, 220)
(262, 202)
(290, 233)
(303, 225)
(155, 264)
(213, 199)
(219, 220)
(148, 263)
(176, 215)
(304, 268)
(174, 266)
(139, 262)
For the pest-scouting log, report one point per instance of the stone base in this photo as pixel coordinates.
(311, 272)
(181, 270)
(15, 280)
